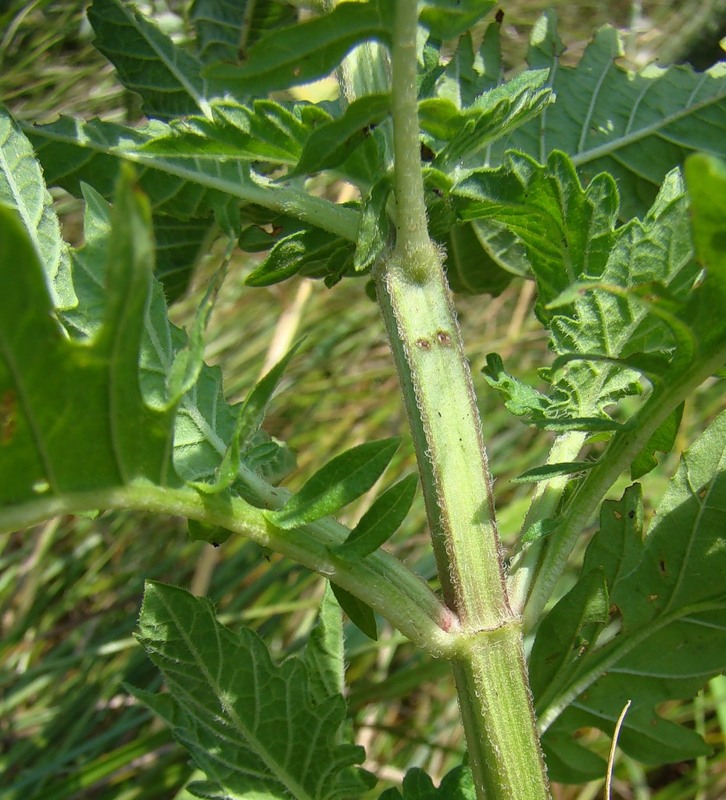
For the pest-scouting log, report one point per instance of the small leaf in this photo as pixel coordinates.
(381, 520)
(338, 483)
(417, 785)
(331, 143)
(547, 471)
(309, 249)
(324, 655)
(662, 441)
(566, 632)
(374, 225)
(302, 53)
(22, 188)
(361, 614)
(213, 534)
(249, 420)
(493, 116)
(444, 22)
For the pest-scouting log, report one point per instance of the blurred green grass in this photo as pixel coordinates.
(70, 589)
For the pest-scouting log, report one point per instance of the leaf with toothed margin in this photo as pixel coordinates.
(665, 632)
(252, 726)
(22, 188)
(167, 78)
(331, 143)
(613, 299)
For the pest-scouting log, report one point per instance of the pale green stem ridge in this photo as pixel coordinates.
(489, 668)
(380, 580)
(624, 447)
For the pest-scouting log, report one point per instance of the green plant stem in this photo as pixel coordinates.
(380, 580)
(623, 448)
(436, 381)
(547, 496)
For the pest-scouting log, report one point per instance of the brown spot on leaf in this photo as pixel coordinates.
(424, 344)
(443, 338)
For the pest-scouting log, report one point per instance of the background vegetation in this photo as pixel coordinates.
(70, 589)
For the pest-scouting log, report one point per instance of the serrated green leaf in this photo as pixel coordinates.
(331, 143)
(338, 483)
(263, 132)
(381, 521)
(148, 62)
(669, 595)
(22, 188)
(249, 724)
(227, 28)
(637, 126)
(360, 613)
(325, 651)
(308, 51)
(445, 22)
(417, 785)
(492, 116)
(185, 185)
(622, 294)
(83, 422)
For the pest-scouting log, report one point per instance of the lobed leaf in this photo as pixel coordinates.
(637, 126)
(668, 598)
(252, 726)
(339, 482)
(615, 300)
(148, 62)
(493, 115)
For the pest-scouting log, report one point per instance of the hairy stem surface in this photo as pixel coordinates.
(436, 380)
